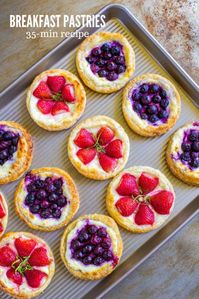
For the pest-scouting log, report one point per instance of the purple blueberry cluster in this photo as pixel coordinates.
(108, 60)
(8, 145)
(190, 148)
(151, 103)
(45, 196)
(92, 246)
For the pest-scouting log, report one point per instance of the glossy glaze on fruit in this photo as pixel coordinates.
(8, 144)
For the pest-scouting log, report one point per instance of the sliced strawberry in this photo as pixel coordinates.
(1, 228)
(114, 149)
(84, 139)
(68, 93)
(147, 182)
(7, 256)
(162, 201)
(86, 155)
(45, 106)
(2, 212)
(128, 185)
(39, 257)
(34, 277)
(126, 206)
(60, 107)
(24, 246)
(105, 135)
(144, 215)
(15, 276)
(107, 163)
(42, 91)
(56, 83)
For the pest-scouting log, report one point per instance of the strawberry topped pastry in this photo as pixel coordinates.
(3, 214)
(56, 99)
(140, 199)
(98, 147)
(105, 61)
(91, 246)
(26, 265)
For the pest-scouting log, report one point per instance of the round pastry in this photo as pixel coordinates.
(98, 147)
(151, 105)
(56, 99)
(140, 199)
(91, 246)
(15, 151)
(183, 153)
(3, 214)
(46, 199)
(26, 265)
(105, 61)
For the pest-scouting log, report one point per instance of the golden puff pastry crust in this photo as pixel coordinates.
(60, 121)
(186, 171)
(69, 191)
(91, 272)
(95, 82)
(21, 159)
(123, 215)
(24, 291)
(3, 214)
(93, 169)
(142, 126)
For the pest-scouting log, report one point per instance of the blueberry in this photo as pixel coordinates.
(52, 198)
(4, 145)
(102, 73)
(152, 109)
(144, 116)
(96, 52)
(100, 62)
(90, 59)
(195, 146)
(106, 243)
(8, 136)
(78, 255)
(75, 244)
(98, 261)
(92, 229)
(145, 100)
(61, 202)
(1, 133)
(119, 60)
(56, 213)
(45, 214)
(144, 88)
(48, 181)
(153, 118)
(39, 183)
(15, 140)
(112, 76)
(121, 69)
(34, 208)
(111, 66)
(102, 232)
(44, 204)
(107, 55)
(1, 162)
(163, 94)
(185, 157)
(154, 88)
(53, 206)
(186, 147)
(12, 149)
(41, 194)
(98, 250)
(87, 260)
(156, 99)
(83, 236)
(87, 249)
(107, 255)
(95, 239)
(59, 192)
(195, 163)
(105, 47)
(163, 114)
(164, 103)
(58, 183)
(137, 107)
(3, 154)
(50, 188)
(194, 155)
(31, 187)
(193, 136)
(29, 198)
(136, 96)
(115, 50)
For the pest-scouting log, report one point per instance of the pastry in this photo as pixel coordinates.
(105, 61)
(91, 246)
(140, 199)
(183, 153)
(56, 99)
(15, 151)
(98, 147)
(3, 214)
(26, 265)
(151, 105)
(46, 199)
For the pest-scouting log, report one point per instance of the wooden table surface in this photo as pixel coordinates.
(173, 271)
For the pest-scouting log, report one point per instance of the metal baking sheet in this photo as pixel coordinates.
(50, 150)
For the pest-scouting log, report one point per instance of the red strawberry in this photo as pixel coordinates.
(126, 206)
(84, 139)
(39, 257)
(42, 91)
(56, 83)
(7, 256)
(2, 212)
(1, 228)
(60, 107)
(86, 155)
(144, 215)
(68, 93)
(162, 201)
(45, 106)
(107, 163)
(34, 277)
(15, 276)
(128, 185)
(147, 182)
(114, 149)
(24, 246)
(106, 135)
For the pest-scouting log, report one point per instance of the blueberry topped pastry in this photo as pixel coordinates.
(46, 199)
(151, 105)
(91, 246)
(105, 61)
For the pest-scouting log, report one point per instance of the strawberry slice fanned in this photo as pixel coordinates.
(42, 91)
(39, 257)
(128, 185)
(144, 215)
(162, 201)
(45, 106)
(147, 182)
(2, 212)
(105, 135)
(68, 93)
(34, 277)
(84, 139)
(15, 276)
(86, 155)
(24, 246)
(56, 83)
(126, 206)
(107, 163)
(7, 256)
(59, 107)
(114, 149)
